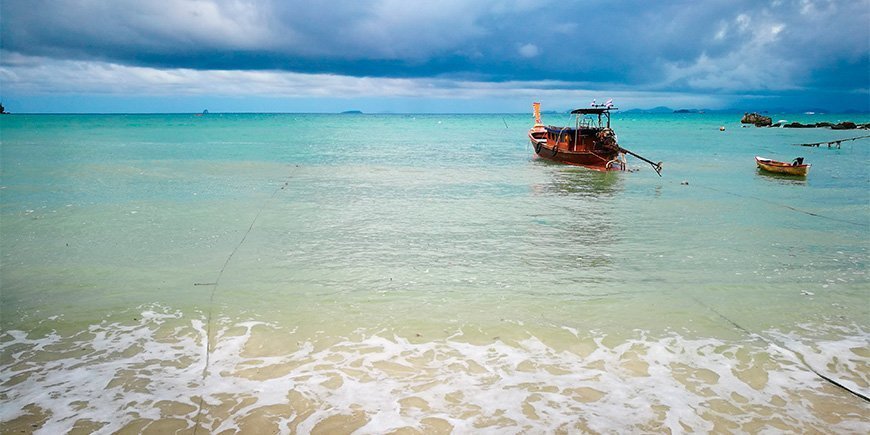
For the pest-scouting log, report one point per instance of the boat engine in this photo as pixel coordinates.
(607, 139)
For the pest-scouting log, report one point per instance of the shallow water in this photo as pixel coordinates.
(399, 273)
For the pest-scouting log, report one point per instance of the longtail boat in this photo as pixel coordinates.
(797, 167)
(590, 142)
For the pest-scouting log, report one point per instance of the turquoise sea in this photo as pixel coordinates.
(308, 273)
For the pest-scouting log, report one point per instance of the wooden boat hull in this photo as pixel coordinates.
(782, 167)
(597, 159)
(590, 160)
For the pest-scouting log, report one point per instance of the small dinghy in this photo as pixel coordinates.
(797, 167)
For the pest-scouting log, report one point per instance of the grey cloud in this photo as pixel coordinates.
(675, 45)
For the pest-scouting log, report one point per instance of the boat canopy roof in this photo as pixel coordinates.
(592, 110)
(571, 130)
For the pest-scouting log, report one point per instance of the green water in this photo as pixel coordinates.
(379, 273)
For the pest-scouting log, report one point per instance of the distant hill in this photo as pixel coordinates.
(664, 110)
(352, 112)
(659, 109)
(690, 111)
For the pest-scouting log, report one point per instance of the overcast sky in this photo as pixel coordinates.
(431, 56)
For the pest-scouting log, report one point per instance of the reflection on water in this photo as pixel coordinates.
(575, 233)
(571, 181)
(784, 179)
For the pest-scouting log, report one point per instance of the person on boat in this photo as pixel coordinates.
(798, 161)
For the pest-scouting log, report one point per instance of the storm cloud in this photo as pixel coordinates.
(727, 48)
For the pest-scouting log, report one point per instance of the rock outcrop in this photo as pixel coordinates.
(846, 125)
(799, 125)
(756, 119)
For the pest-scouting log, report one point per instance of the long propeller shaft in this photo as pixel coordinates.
(656, 166)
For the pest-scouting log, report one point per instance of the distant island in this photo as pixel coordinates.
(734, 110)
(3, 110)
(664, 110)
(659, 109)
(352, 112)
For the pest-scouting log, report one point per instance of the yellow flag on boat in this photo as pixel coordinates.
(537, 108)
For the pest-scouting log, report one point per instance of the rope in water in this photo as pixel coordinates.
(214, 286)
(863, 224)
(781, 346)
(768, 341)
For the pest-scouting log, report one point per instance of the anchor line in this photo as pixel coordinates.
(769, 341)
(863, 224)
(214, 287)
(797, 354)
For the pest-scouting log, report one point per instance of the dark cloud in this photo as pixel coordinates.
(678, 45)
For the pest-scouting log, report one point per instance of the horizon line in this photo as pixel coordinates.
(660, 110)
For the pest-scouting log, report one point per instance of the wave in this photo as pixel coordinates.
(155, 373)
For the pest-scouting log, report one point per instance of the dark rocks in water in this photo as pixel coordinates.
(758, 120)
(799, 125)
(845, 125)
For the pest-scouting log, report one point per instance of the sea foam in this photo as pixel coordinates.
(260, 376)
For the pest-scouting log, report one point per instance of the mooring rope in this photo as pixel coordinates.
(769, 341)
(762, 338)
(797, 354)
(214, 286)
(810, 213)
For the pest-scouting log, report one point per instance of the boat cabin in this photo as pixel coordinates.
(591, 132)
